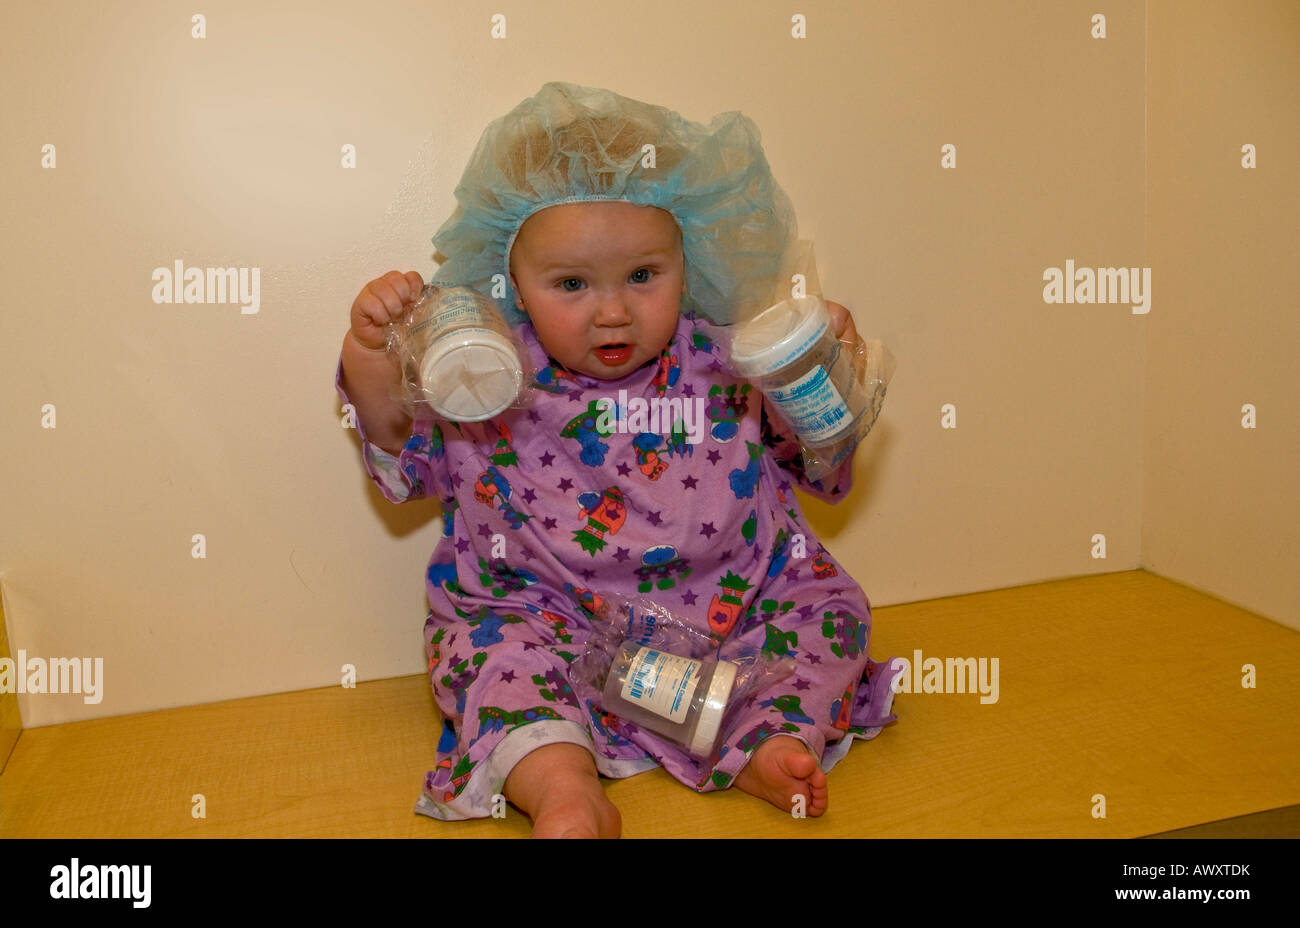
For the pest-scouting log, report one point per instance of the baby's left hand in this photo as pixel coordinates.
(842, 323)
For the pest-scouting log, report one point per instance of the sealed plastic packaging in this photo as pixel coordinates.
(647, 666)
(830, 392)
(459, 356)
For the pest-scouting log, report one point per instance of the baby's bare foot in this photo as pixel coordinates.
(557, 786)
(782, 767)
(577, 811)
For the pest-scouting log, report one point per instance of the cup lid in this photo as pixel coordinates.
(773, 337)
(471, 375)
(714, 708)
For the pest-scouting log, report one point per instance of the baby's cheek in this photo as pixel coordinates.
(668, 329)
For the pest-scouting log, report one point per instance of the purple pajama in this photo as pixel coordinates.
(712, 530)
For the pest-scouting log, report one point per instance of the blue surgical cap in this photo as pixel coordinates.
(572, 144)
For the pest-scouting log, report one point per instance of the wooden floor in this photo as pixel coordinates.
(1123, 685)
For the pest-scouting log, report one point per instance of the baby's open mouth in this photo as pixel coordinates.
(614, 353)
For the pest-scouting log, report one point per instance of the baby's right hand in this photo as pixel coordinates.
(383, 300)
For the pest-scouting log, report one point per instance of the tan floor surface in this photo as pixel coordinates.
(1125, 685)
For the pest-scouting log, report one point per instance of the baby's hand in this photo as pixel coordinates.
(380, 302)
(844, 329)
(842, 323)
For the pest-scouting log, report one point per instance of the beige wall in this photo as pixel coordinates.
(1220, 502)
(1072, 420)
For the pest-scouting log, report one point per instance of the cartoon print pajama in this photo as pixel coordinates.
(583, 505)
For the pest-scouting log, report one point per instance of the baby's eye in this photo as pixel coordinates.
(564, 284)
(637, 278)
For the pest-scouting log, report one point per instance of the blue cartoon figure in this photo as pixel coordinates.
(647, 455)
(585, 429)
(490, 486)
(743, 481)
(659, 565)
(780, 553)
(552, 379)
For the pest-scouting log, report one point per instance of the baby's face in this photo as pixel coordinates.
(601, 282)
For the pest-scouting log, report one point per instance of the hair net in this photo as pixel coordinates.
(572, 144)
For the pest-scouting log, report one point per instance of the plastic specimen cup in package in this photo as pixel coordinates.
(458, 355)
(649, 667)
(829, 391)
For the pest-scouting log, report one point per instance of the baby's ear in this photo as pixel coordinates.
(519, 297)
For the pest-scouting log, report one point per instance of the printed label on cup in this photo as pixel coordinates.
(813, 405)
(662, 683)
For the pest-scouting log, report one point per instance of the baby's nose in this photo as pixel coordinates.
(613, 310)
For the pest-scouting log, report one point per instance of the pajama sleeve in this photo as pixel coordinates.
(418, 471)
(786, 451)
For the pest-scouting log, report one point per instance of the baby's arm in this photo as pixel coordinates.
(370, 373)
(403, 456)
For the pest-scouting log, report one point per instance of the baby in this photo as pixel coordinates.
(600, 264)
